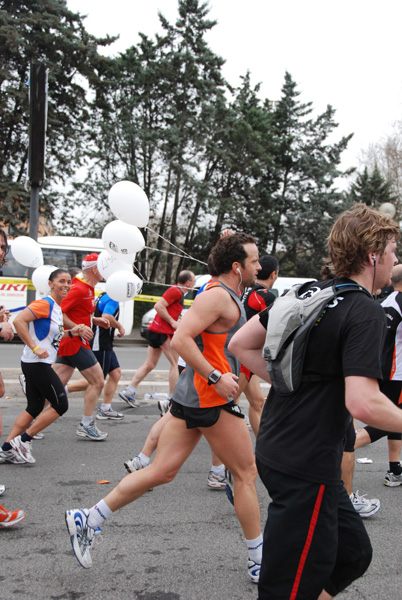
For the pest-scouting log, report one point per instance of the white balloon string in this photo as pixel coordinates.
(183, 253)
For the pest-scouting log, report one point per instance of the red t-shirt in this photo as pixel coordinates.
(78, 305)
(174, 297)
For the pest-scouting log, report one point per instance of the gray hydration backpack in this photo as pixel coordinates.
(290, 320)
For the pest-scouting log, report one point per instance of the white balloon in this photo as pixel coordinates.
(129, 203)
(27, 252)
(108, 264)
(122, 240)
(388, 209)
(40, 278)
(122, 286)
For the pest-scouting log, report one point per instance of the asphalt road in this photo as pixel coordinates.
(181, 541)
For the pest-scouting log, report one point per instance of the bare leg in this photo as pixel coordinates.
(229, 438)
(347, 470)
(45, 418)
(79, 385)
(394, 450)
(21, 423)
(153, 356)
(112, 381)
(64, 372)
(362, 439)
(154, 434)
(94, 376)
(256, 400)
(176, 443)
(173, 358)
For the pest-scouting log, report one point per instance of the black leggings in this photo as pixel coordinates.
(43, 383)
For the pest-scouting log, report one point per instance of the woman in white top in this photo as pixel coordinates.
(40, 326)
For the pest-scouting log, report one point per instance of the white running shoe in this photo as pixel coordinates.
(134, 465)
(163, 406)
(81, 535)
(363, 506)
(23, 383)
(11, 456)
(129, 398)
(91, 432)
(111, 414)
(39, 436)
(24, 449)
(253, 570)
(2, 489)
(216, 482)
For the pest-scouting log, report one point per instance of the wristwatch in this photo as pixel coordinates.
(70, 334)
(214, 377)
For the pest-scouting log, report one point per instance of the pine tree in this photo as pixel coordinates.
(43, 31)
(372, 189)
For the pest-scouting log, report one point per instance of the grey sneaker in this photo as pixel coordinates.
(216, 482)
(129, 398)
(2, 489)
(39, 436)
(24, 449)
(392, 480)
(103, 415)
(91, 432)
(365, 507)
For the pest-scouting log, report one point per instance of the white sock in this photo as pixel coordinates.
(105, 406)
(217, 470)
(145, 460)
(98, 514)
(255, 549)
(130, 389)
(86, 421)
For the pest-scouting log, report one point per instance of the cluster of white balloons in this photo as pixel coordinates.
(121, 238)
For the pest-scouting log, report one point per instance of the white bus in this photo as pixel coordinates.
(62, 252)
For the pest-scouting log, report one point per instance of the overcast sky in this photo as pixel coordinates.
(345, 53)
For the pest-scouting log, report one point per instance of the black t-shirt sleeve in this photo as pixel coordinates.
(363, 344)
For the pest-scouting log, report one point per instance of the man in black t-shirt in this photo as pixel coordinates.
(315, 544)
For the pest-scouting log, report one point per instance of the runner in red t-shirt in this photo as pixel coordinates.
(75, 353)
(255, 300)
(159, 333)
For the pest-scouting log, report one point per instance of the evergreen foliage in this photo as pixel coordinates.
(371, 188)
(160, 114)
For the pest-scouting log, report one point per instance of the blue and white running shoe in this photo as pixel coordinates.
(253, 570)
(81, 535)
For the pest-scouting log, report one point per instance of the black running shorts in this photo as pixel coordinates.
(202, 417)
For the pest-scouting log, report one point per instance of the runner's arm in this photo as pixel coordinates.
(247, 345)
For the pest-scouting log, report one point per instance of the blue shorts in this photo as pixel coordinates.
(107, 360)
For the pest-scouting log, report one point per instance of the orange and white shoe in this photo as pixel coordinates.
(9, 518)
